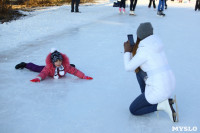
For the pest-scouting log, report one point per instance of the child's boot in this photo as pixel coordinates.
(20, 65)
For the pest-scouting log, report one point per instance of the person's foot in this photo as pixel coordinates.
(72, 10)
(20, 65)
(120, 10)
(160, 13)
(132, 13)
(123, 10)
(168, 108)
(77, 11)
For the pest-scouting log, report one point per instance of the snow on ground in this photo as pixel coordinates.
(93, 40)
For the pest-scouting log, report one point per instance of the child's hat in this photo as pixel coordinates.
(55, 55)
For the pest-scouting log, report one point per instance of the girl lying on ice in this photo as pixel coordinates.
(57, 65)
(158, 83)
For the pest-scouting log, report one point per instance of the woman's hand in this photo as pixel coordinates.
(127, 47)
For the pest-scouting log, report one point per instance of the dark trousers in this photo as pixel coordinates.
(154, 4)
(197, 6)
(77, 4)
(141, 75)
(140, 105)
(161, 5)
(34, 67)
(133, 5)
(122, 4)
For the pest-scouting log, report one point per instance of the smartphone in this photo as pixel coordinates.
(131, 40)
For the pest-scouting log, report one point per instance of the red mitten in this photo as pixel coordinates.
(87, 77)
(35, 80)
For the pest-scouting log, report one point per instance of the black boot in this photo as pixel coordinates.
(77, 11)
(20, 65)
(160, 13)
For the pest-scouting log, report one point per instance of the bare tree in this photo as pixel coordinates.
(4, 5)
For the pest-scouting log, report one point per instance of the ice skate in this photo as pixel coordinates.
(123, 10)
(167, 106)
(174, 101)
(160, 13)
(120, 10)
(132, 13)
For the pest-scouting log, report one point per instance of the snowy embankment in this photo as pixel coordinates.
(93, 40)
(45, 22)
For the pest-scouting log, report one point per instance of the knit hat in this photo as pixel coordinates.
(144, 30)
(55, 55)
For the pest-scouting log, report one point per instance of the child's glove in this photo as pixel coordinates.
(35, 80)
(87, 77)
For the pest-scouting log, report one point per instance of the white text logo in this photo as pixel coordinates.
(184, 128)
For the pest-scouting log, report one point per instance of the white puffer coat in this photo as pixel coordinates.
(151, 58)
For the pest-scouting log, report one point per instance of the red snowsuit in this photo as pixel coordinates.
(49, 69)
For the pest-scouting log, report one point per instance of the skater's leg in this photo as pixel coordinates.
(131, 5)
(163, 4)
(161, 8)
(122, 4)
(141, 106)
(72, 6)
(34, 67)
(77, 5)
(134, 5)
(159, 5)
(154, 4)
(141, 75)
(150, 3)
(198, 4)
